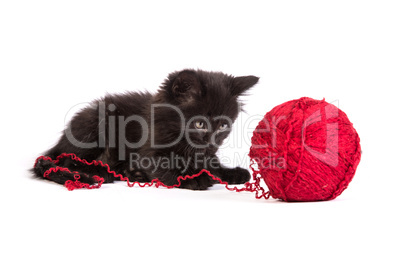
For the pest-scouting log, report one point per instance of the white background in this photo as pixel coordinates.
(55, 55)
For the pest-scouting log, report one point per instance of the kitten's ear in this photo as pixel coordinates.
(186, 83)
(243, 83)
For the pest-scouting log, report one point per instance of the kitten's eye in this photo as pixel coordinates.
(223, 127)
(199, 125)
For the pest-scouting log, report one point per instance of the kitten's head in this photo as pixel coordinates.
(208, 103)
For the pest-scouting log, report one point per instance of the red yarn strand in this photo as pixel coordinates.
(77, 184)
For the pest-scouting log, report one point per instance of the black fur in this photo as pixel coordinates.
(108, 129)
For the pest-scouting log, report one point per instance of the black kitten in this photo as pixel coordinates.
(176, 131)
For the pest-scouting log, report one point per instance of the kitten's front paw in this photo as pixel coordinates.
(202, 182)
(236, 175)
(137, 175)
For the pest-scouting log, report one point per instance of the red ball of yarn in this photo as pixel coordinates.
(306, 150)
